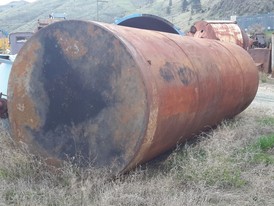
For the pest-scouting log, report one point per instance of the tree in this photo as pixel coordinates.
(196, 1)
(168, 10)
(170, 3)
(196, 6)
(184, 5)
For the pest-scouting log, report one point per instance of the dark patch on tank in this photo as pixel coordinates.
(149, 23)
(64, 144)
(70, 129)
(186, 75)
(78, 89)
(166, 72)
(70, 102)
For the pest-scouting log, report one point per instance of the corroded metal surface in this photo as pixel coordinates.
(227, 31)
(117, 96)
(261, 57)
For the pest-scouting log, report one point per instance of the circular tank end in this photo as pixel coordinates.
(76, 92)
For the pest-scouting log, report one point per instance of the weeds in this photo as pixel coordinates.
(230, 165)
(260, 151)
(267, 121)
(265, 142)
(200, 164)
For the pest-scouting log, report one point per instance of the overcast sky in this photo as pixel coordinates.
(2, 2)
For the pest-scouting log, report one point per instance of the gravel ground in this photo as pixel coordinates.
(264, 98)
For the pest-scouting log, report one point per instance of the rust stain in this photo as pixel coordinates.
(23, 107)
(73, 48)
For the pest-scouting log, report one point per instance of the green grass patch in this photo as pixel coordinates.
(259, 151)
(226, 177)
(263, 158)
(265, 142)
(222, 175)
(9, 196)
(3, 173)
(269, 121)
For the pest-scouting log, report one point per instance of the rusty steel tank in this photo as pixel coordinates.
(117, 97)
(149, 22)
(227, 31)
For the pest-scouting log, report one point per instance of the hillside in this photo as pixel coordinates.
(23, 16)
(242, 7)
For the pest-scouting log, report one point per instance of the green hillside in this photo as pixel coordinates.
(23, 16)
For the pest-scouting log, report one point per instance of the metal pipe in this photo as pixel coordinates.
(118, 96)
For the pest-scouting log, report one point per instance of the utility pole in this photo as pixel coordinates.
(97, 8)
(272, 51)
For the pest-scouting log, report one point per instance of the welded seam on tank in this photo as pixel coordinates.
(126, 43)
(197, 76)
(151, 117)
(131, 49)
(244, 83)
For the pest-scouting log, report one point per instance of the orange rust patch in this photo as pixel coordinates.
(23, 107)
(73, 48)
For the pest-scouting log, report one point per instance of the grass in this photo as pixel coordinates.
(268, 121)
(230, 165)
(266, 78)
(261, 150)
(265, 142)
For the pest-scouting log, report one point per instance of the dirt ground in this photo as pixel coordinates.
(264, 98)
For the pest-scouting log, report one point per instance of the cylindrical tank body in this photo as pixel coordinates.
(149, 22)
(227, 31)
(118, 96)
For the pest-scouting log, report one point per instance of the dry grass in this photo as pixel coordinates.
(220, 168)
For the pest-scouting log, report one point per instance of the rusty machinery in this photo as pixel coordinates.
(261, 53)
(229, 31)
(118, 96)
(3, 107)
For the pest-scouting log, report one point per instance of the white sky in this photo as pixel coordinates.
(2, 2)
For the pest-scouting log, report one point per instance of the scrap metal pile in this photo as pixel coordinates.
(117, 96)
(3, 107)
